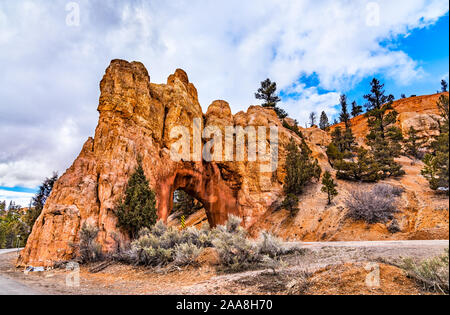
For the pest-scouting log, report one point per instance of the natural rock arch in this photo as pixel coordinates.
(207, 186)
(136, 118)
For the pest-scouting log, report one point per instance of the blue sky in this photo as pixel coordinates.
(428, 46)
(53, 56)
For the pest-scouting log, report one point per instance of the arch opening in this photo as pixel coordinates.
(205, 184)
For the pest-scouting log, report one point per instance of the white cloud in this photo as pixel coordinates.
(309, 100)
(19, 198)
(50, 71)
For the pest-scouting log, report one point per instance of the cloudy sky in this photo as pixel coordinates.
(53, 55)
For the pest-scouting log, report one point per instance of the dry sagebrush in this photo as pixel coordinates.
(373, 206)
(163, 245)
(432, 274)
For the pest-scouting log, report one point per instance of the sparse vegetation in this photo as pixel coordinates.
(270, 245)
(373, 206)
(89, 250)
(436, 169)
(431, 274)
(329, 186)
(186, 254)
(413, 144)
(161, 246)
(384, 139)
(394, 227)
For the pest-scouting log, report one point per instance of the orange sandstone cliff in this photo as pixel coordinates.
(136, 120)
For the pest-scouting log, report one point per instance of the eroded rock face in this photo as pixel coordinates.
(136, 119)
(419, 112)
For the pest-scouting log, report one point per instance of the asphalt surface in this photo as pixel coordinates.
(432, 243)
(416, 248)
(12, 287)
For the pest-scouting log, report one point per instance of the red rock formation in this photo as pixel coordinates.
(136, 118)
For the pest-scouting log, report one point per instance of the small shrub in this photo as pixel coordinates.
(290, 203)
(300, 285)
(269, 245)
(153, 256)
(235, 251)
(186, 254)
(158, 229)
(373, 206)
(171, 238)
(190, 235)
(432, 274)
(271, 263)
(387, 190)
(162, 245)
(233, 224)
(89, 249)
(394, 227)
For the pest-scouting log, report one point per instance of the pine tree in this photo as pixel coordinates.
(436, 169)
(344, 141)
(384, 137)
(268, 93)
(413, 144)
(444, 86)
(365, 168)
(324, 124)
(344, 116)
(185, 203)
(38, 201)
(312, 119)
(2, 207)
(329, 186)
(300, 169)
(356, 109)
(138, 209)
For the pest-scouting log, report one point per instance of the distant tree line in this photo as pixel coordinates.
(16, 222)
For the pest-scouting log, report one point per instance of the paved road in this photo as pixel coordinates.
(417, 249)
(12, 287)
(5, 251)
(433, 243)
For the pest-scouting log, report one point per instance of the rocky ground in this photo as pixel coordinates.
(321, 268)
